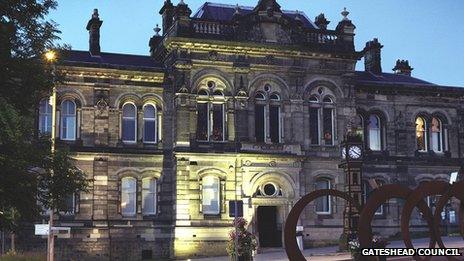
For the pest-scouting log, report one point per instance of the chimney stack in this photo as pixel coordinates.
(373, 57)
(402, 67)
(93, 26)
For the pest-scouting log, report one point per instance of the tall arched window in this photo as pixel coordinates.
(314, 130)
(375, 133)
(359, 122)
(328, 122)
(149, 196)
(211, 202)
(211, 116)
(274, 118)
(129, 122)
(260, 117)
(128, 196)
(68, 120)
(150, 124)
(323, 204)
(437, 135)
(421, 134)
(45, 116)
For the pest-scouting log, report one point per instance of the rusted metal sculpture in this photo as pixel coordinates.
(378, 197)
(291, 246)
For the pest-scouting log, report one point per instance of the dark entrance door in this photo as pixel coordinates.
(269, 234)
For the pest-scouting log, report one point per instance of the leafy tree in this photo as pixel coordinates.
(26, 161)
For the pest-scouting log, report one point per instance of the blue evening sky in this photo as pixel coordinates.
(429, 33)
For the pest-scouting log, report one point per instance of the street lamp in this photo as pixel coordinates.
(51, 57)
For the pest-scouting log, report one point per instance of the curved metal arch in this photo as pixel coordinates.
(291, 246)
(379, 197)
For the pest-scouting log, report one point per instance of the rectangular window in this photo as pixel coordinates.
(328, 126)
(211, 195)
(149, 196)
(218, 122)
(69, 128)
(274, 122)
(69, 205)
(149, 135)
(314, 126)
(323, 203)
(128, 196)
(202, 122)
(259, 123)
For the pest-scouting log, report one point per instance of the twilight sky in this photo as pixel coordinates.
(429, 33)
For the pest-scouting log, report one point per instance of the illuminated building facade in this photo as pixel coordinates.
(239, 102)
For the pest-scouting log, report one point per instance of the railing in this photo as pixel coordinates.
(212, 28)
(216, 29)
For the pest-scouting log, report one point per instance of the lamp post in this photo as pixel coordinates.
(50, 57)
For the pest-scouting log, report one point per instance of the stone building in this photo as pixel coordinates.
(238, 103)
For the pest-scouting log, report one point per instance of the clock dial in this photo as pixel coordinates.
(355, 152)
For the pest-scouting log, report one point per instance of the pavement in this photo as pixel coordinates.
(331, 253)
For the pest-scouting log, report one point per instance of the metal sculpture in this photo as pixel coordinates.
(378, 197)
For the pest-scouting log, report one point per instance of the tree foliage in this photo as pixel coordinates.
(26, 160)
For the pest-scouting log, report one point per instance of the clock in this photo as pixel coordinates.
(355, 152)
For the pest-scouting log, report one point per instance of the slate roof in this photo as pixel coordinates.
(112, 60)
(224, 13)
(387, 78)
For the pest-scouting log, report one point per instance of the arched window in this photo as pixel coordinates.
(359, 122)
(128, 196)
(274, 118)
(437, 135)
(421, 134)
(314, 119)
(328, 122)
(260, 117)
(323, 204)
(150, 124)
(45, 116)
(149, 196)
(211, 203)
(211, 116)
(129, 122)
(375, 133)
(68, 120)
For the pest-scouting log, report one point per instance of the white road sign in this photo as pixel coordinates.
(41, 229)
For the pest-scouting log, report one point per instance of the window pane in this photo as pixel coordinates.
(218, 122)
(323, 203)
(149, 131)
(374, 133)
(128, 129)
(259, 123)
(202, 121)
(436, 135)
(149, 196)
(314, 126)
(68, 120)
(45, 116)
(328, 126)
(69, 205)
(211, 204)
(149, 112)
(274, 122)
(421, 134)
(128, 199)
(128, 110)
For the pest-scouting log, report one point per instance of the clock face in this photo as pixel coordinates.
(355, 152)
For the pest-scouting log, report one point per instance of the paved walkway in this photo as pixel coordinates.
(330, 253)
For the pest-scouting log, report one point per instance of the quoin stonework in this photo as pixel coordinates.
(236, 102)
